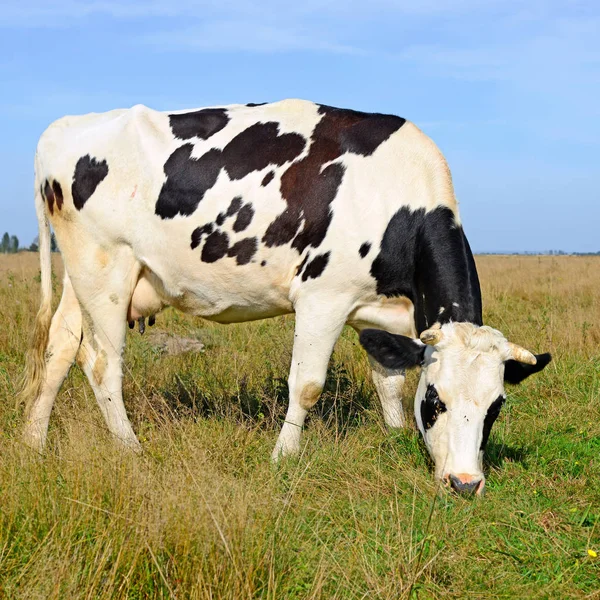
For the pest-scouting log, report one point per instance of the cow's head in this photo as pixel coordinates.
(461, 390)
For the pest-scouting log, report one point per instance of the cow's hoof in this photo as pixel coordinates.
(33, 442)
(284, 452)
(131, 444)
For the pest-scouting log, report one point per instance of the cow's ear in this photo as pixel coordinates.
(515, 372)
(392, 351)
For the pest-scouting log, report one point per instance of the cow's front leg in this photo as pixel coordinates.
(394, 315)
(389, 384)
(319, 323)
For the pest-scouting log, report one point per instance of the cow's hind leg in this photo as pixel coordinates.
(104, 302)
(319, 322)
(63, 342)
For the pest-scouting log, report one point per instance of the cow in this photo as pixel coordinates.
(244, 212)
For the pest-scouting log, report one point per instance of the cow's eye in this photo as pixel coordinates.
(490, 418)
(431, 407)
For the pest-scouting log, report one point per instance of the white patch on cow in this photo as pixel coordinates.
(395, 315)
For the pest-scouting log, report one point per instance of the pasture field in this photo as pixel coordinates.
(203, 514)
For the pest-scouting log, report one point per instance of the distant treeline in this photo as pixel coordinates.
(10, 244)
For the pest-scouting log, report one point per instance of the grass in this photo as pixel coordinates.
(202, 513)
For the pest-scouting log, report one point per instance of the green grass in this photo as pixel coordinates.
(203, 513)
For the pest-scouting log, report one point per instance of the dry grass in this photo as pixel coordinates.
(203, 514)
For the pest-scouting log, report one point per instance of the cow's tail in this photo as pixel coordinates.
(35, 369)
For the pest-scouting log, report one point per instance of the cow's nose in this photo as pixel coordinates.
(467, 487)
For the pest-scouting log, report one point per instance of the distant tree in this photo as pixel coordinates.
(53, 244)
(14, 244)
(5, 245)
(33, 247)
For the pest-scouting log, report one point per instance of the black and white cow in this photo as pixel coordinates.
(252, 211)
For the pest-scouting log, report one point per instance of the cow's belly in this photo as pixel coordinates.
(229, 306)
(211, 296)
(241, 314)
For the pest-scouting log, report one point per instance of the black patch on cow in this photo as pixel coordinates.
(253, 104)
(234, 206)
(474, 288)
(89, 172)
(366, 136)
(515, 372)
(49, 195)
(392, 351)
(198, 233)
(244, 218)
(52, 194)
(359, 132)
(188, 179)
(244, 250)
(267, 178)
(309, 189)
(316, 266)
(259, 146)
(58, 194)
(263, 263)
(394, 268)
(425, 256)
(431, 407)
(364, 249)
(215, 247)
(490, 419)
(201, 123)
(302, 264)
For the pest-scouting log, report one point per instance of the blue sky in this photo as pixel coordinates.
(509, 89)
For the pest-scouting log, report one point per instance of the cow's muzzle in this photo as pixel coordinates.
(466, 485)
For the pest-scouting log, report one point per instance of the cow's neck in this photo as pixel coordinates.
(446, 281)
